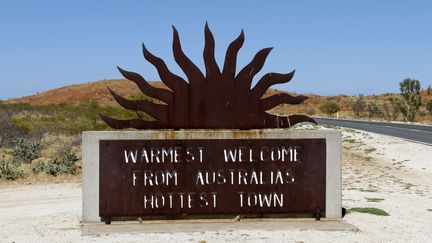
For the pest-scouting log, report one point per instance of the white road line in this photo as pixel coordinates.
(406, 139)
(376, 122)
(410, 129)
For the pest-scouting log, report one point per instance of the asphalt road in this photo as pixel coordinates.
(415, 133)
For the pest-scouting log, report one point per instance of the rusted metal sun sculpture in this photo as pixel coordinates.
(218, 99)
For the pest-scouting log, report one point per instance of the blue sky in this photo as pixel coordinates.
(336, 47)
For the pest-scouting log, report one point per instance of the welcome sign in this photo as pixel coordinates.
(211, 176)
(212, 147)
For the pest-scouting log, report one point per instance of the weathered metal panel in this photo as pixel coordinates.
(205, 97)
(293, 184)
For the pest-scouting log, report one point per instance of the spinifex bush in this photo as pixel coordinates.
(64, 165)
(69, 160)
(9, 170)
(25, 151)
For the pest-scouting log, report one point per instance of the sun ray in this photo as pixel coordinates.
(212, 68)
(229, 69)
(268, 80)
(192, 72)
(281, 98)
(174, 82)
(246, 75)
(157, 111)
(157, 93)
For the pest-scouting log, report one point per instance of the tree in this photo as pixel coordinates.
(428, 92)
(329, 108)
(359, 106)
(429, 107)
(391, 109)
(410, 92)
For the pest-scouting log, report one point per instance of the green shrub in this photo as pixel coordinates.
(53, 168)
(25, 151)
(25, 124)
(39, 168)
(56, 169)
(9, 170)
(330, 107)
(373, 110)
(64, 165)
(69, 159)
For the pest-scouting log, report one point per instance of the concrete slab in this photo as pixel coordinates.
(183, 226)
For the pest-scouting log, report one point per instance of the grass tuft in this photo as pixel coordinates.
(369, 210)
(370, 150)
(367, 190)
(372, 199)
(351, 140)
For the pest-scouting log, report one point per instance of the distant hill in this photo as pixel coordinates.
(74, 94)
(98, 91)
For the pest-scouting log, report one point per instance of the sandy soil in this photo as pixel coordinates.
(374, 166)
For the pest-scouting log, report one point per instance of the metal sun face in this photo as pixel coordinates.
(220, 98)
